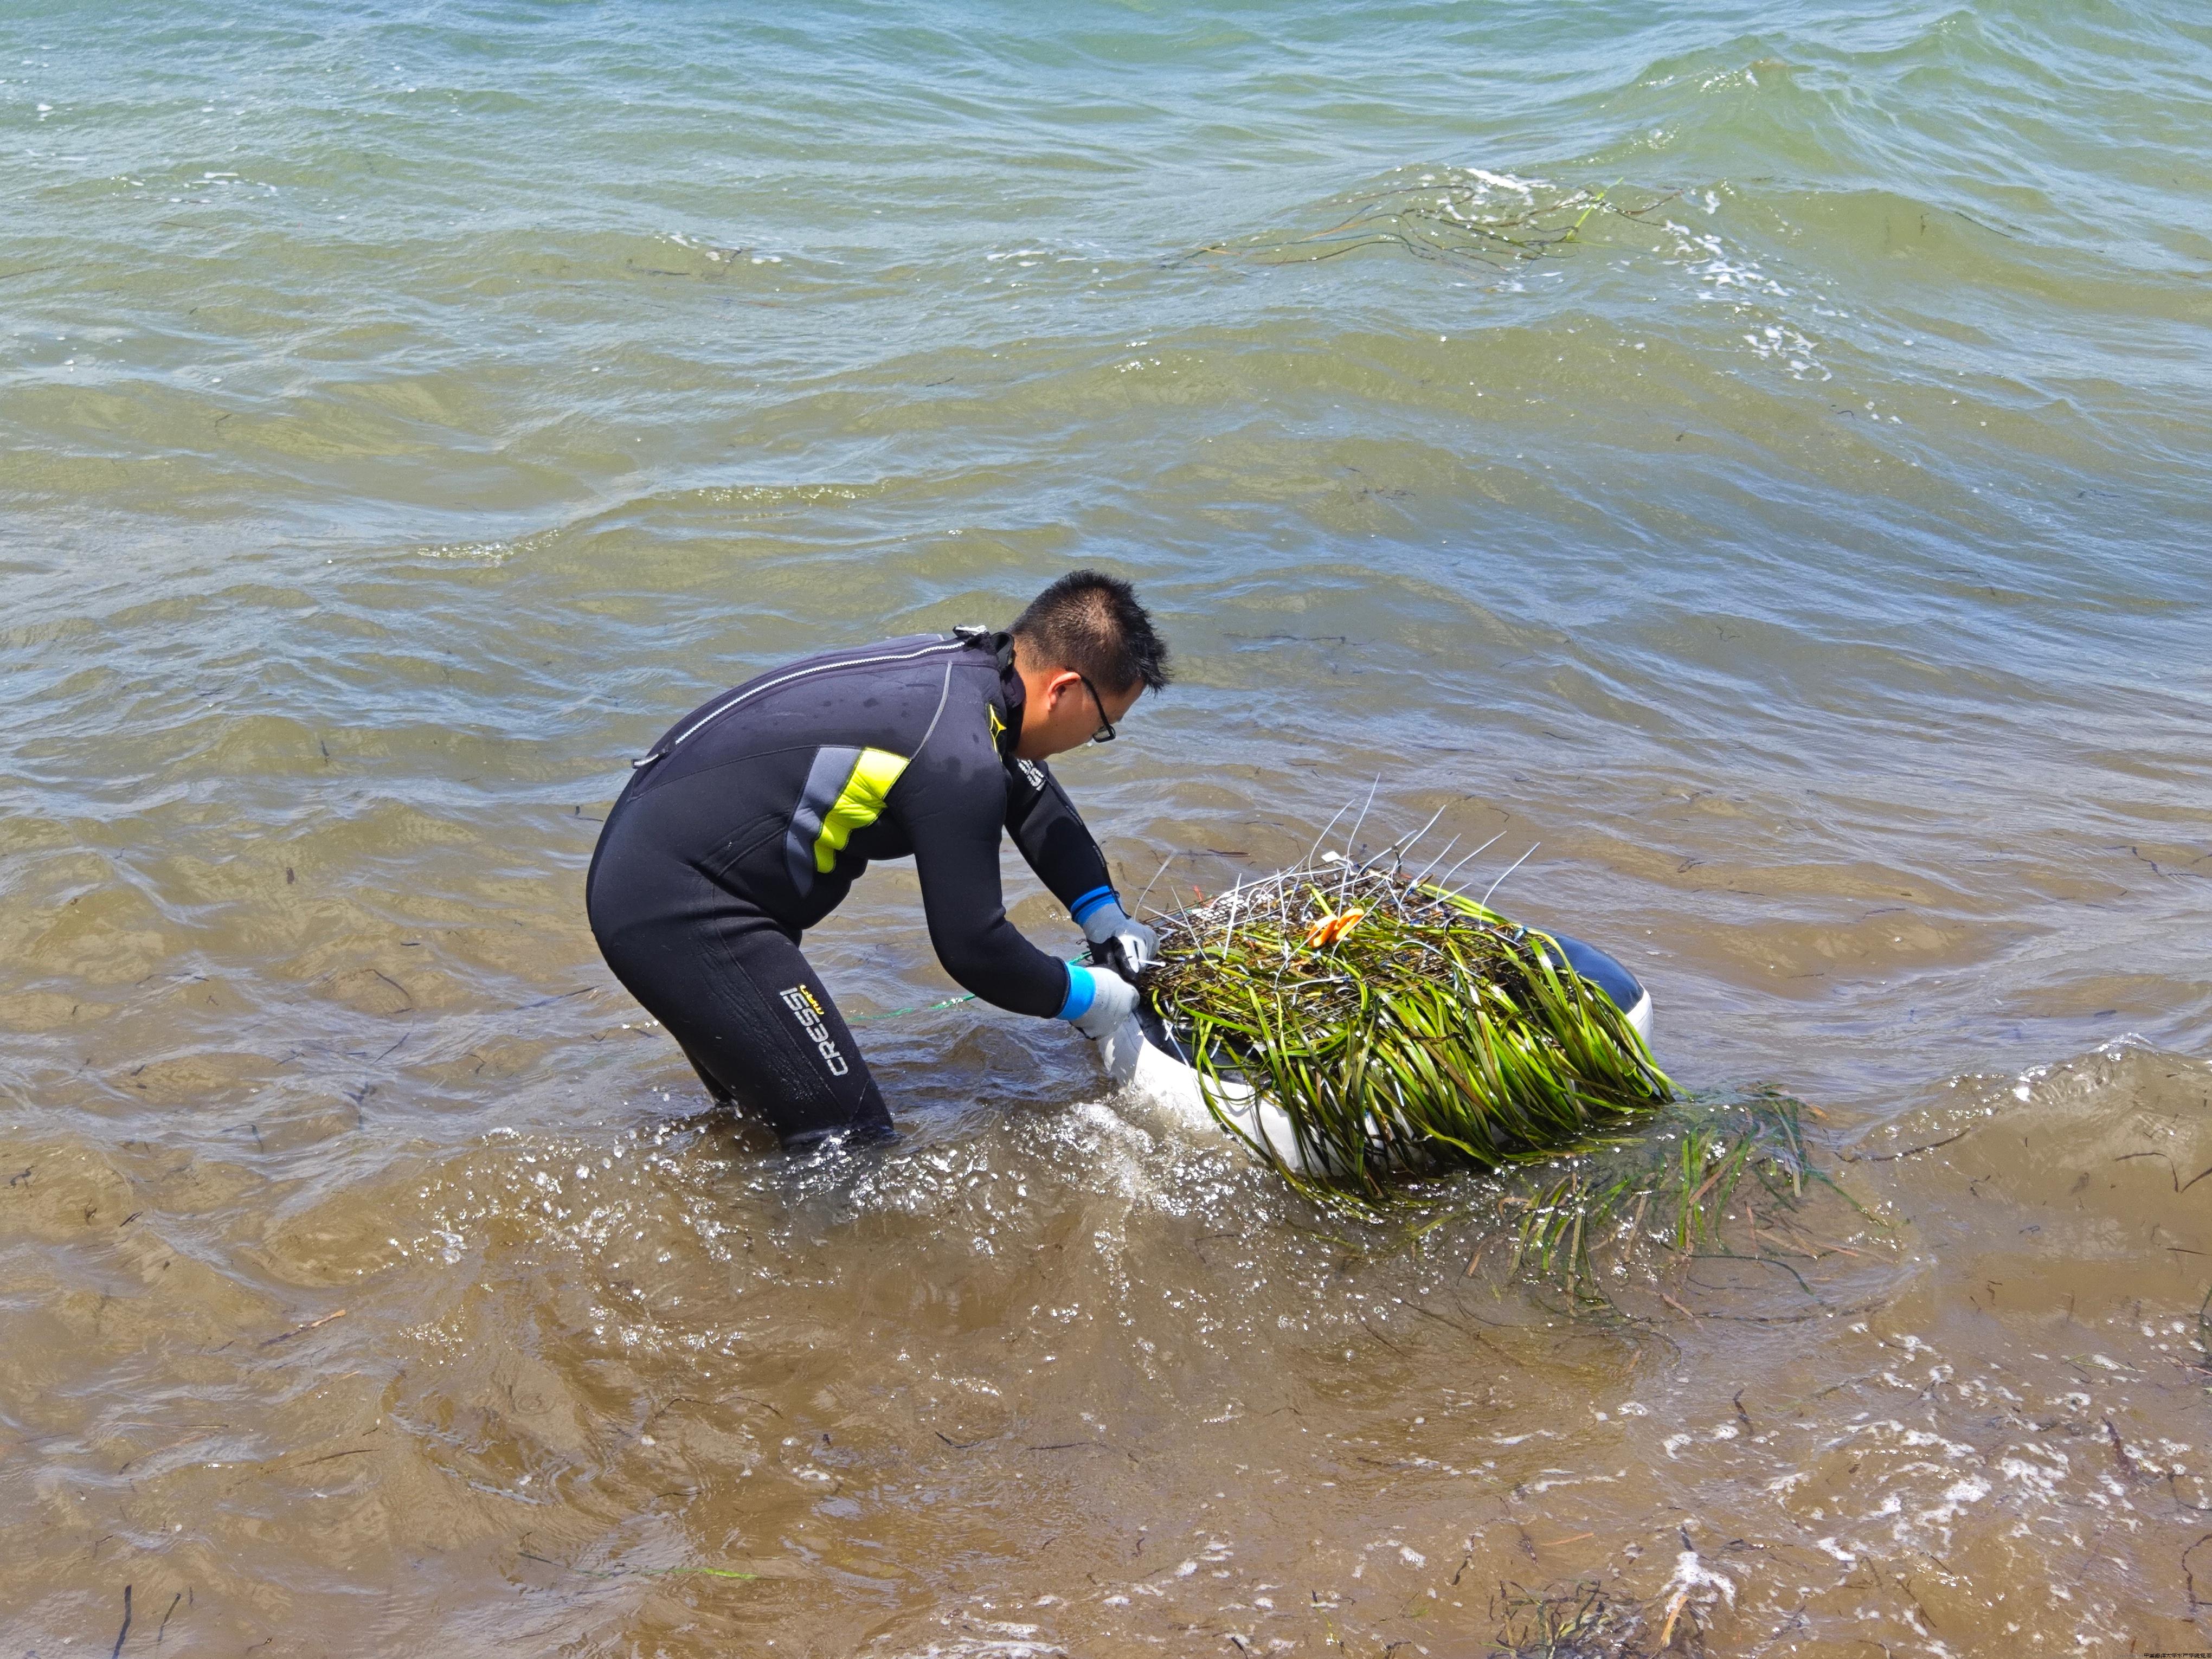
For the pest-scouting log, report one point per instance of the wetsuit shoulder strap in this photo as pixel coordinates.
(997, 641)
(1004, 732)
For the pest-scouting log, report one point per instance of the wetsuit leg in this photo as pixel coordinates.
(736, 991)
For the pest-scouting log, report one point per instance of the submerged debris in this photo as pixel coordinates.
(1454, 215)
(1608, 1220)
(1566, 1621)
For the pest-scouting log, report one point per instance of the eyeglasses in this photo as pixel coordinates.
(1105, 731)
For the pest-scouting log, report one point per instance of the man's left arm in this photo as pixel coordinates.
(1052, 837)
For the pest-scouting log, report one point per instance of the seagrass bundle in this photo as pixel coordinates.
(1402, 1028)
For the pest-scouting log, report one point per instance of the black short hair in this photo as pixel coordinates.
(1092, 622)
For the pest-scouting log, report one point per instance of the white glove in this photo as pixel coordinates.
(1106, 1001)
(1107, 927)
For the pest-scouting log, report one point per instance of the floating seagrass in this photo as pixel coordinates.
(1352, 1024)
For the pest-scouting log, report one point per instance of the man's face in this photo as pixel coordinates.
(1062, 714)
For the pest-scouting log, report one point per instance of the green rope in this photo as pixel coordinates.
(900, 1013)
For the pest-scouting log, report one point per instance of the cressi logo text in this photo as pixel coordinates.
(801, 1002)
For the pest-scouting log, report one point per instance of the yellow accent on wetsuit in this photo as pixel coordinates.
(859, 804)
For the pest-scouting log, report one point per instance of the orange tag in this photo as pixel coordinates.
(1329, 929)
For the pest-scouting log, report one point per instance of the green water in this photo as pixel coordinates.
(1754, 454)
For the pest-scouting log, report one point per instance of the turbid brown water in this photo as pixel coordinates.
(406, 415)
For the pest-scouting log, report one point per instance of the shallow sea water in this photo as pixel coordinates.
(407, 411)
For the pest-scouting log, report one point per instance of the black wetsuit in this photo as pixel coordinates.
(750, 820)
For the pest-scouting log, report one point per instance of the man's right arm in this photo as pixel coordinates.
(954, 821)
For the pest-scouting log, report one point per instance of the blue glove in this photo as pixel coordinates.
(1098, 1004)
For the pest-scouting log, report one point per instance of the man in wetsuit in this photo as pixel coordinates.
(749, 820)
